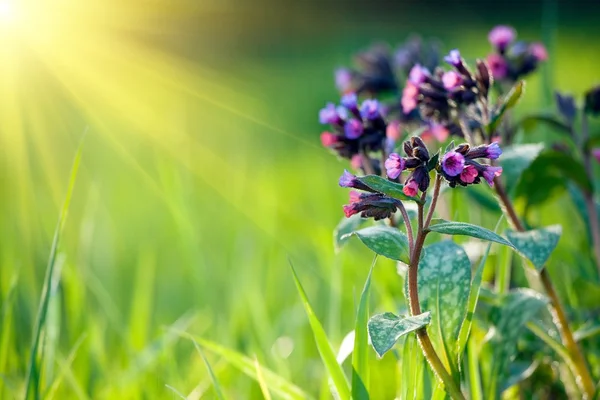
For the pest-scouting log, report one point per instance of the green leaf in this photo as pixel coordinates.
(346, 226)
(433, 161)
(516, 159)
(384, 240)
(444, 280)
(530, 122)
(387, 187)
(536, 245)
(213, 377)
(465, 329)
(385, 329)
(32, 379)
(325, 350)
(360, 355)
(509, 101)
(509, 318)
(462, 228)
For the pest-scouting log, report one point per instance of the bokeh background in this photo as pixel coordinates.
(202, 174)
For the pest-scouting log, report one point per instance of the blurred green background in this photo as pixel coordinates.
(201, 174)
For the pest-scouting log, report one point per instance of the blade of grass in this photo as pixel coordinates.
(213, 377)
(360, 355)
(264, 388)
(474, 374)
(325, 350)
(177, 392)
(68, 362)
(278, 385)
(33, 373)
(6, 320)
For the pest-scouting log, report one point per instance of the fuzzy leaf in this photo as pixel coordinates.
(536, 245)
(516, 159)
(530, 122)
(509, 101)
(433, 161)
(444, 280)
(384, 240)
(385, 329)
(386, 187)
(461, 228)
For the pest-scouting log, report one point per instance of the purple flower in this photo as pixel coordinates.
(347, 180)
(493, 151)
(353, 129)
(489, 173)
(453, 58)
(501, 36)
(453, 163)
(394, 165)
(329, 114)
(343, 79)
(498, 66)
(451, 80)
(370, 109)
(596, 154)
(418, 74)
(349, 101)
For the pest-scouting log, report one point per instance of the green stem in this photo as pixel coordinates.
(558, 312)
(415, 308)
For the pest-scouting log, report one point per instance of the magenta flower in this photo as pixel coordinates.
(409, 97)
(411, 188)
(501, 36)
(453, 58)
(453, 163)
(498, 66)
(539, 51)
(468, 174)
(394, 165)
(354, 196)
(350, 210)
(329, 139)
(451, 80)
(370, 110)
(418, 74)
(329, 114)
(596, 154)
(393, 131)
(343, 79)
(489, 173)
(353, 129)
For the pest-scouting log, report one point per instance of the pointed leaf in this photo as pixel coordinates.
(536, 245)
(384, 240)
(516, 159)
(325, 350)
(462, 228)
(509, 101)
(385, 329)
(433, 162)
(346, 226)
(387, 187)
(444, 280)
(360, 355)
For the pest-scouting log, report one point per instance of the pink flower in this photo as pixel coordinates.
(453, 163)
(350, 210)
(539, 51)
(501, 36)
(343, 80)
(498, 66)
(328, 139)
(394, 165)
(451, 80)
(490, 173)
(409, 97)
(468, 174)
(354, 196)
(418, 74)
(393, 131)
(439, 132)
(411, 188)
(356, 161)
(596, 154)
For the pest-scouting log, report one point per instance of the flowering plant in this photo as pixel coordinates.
(398, 184)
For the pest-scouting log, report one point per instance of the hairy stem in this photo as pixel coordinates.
(367, 163)
(584, 378)
(415, 308)
(408, 225)
(436, 194)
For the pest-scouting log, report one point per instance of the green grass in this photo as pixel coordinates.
(184, 222)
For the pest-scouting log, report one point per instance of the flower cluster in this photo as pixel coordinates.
(458, 165)
(368, 203)
(442, 94)
(512, 59)
(416, 161)
(356, 130)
